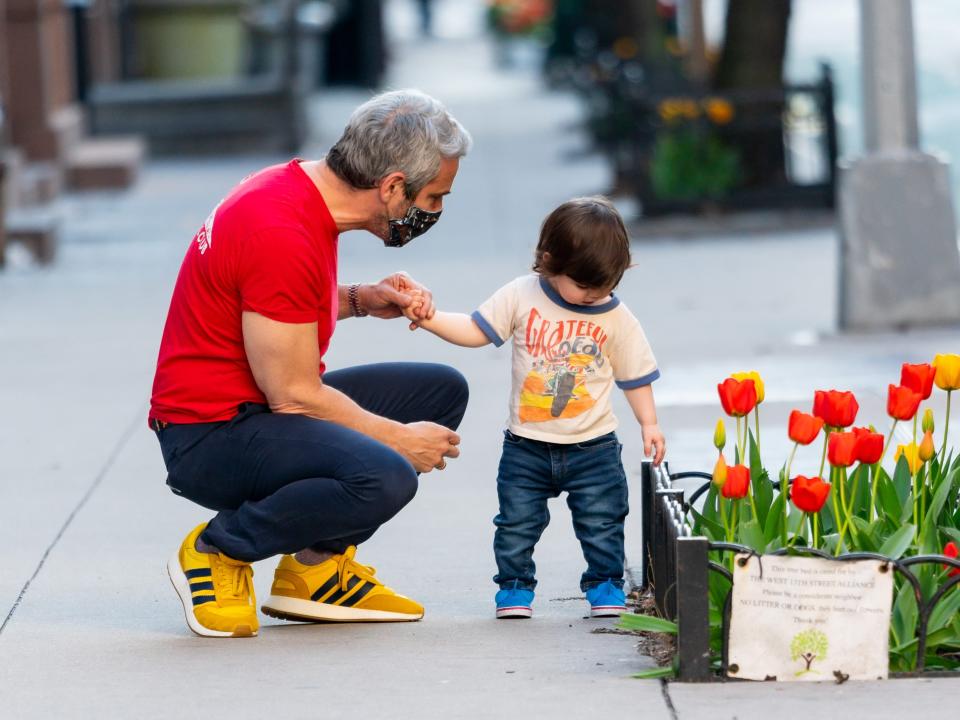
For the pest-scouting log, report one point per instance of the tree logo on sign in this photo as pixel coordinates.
(808, 646)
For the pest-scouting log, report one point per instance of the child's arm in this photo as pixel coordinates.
(641, 402)
(455, 328)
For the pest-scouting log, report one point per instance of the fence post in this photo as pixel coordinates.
(648, 496)
(693, 613)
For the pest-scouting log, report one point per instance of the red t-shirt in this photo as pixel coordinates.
(269, 247)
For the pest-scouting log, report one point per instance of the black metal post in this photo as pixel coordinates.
(693, 609)
(648, 488)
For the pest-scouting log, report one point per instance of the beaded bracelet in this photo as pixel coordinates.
(353, 297)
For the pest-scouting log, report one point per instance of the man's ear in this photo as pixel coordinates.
(392, 185)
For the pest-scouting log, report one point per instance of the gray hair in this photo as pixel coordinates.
(399, 131)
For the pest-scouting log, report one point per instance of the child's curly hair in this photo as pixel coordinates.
(584, 239)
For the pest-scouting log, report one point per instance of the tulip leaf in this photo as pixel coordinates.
(711, 528)
(952, 533)
(862, 529)
(752, 536)
(940, 495)
(646, 623)
(655, 673)
(903, 621)
(775, 520)
(763, 495)
(898, 543)
(902, 480)
(888, 499)
(945, 611)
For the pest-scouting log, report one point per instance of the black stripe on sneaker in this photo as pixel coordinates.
(358, 595)
(326, 587)
(339, 594)
(201, 599)
(195, 586)
(197, 573)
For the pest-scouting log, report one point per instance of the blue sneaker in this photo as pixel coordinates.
(514, 602)
(606, 600)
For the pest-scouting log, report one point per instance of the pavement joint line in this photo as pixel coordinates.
(665, 691)
(111, 459)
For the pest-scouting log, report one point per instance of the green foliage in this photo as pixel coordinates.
(646, 623)
(690, 163)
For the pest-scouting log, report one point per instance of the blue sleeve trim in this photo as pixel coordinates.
(487, 330)
(639, 382)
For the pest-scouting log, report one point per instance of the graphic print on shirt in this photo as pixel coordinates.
(204, 236)
(565, 353)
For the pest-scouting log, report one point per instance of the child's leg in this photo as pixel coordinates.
(524, 484)
(597, 496)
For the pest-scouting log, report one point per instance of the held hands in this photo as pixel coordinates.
(653, 443)
(397, 295)
(427, 445)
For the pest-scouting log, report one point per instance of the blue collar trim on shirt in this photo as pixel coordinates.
(583, 309)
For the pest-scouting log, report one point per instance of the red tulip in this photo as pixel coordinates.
(836, 409)
(842, 449)
(803, 428)
(809, 494)
(737, 483)
(738, 397)
(902, 402)
(918, 378)
(950, 550)
(869, 448)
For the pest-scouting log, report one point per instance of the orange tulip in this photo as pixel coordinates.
(737, 483)
(927, 450)
(803, 428)
(869, 448)
(720, 472)
(836, 409)
(842, 449)
(918, 378)
(809, 494)
(738, 397)
(902, 402)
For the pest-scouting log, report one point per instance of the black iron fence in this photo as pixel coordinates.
(677, 566)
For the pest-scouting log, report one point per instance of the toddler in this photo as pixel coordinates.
(572, 341)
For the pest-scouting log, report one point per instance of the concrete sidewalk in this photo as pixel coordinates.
(90, 625)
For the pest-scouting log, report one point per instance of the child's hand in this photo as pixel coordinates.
(653, 443)
(412, 312)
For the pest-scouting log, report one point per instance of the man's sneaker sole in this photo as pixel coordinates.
(607, 610)
(182, 586)
(288, 608)
(519, 611)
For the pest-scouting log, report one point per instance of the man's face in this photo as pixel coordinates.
(430, 197)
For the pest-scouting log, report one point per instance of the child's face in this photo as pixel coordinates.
(575, 293)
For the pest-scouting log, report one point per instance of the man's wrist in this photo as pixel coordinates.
(357, 307)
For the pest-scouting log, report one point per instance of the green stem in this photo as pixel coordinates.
(723, 518)
(756, 424)
(849, 509)
(784, 492)
(813, 525)
(946, 427)
(841, 474)
(823, 455)
(924, 472)
(835, 504)
(876, 471)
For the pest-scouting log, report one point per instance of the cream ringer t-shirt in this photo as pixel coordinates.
(566, 359)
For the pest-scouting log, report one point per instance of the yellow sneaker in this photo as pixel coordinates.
(216, 591)
(337, 590)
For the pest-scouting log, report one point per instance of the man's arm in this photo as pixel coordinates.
(284, 358)
(455, 328)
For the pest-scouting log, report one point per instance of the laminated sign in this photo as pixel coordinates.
(809, 619)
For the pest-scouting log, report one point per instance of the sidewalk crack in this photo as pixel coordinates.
(111, 459)
(665, 691)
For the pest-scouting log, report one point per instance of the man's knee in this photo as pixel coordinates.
(395, 485)
(456, 393)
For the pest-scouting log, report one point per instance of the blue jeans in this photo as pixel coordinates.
(531, 472)
(281, 483)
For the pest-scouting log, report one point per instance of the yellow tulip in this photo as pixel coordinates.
(912, 453)
(720, 435)
(947, 375)
(757, 381)
(927, 451)
(927, 424)
(720, 472)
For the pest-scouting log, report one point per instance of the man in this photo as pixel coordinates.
(297, 462)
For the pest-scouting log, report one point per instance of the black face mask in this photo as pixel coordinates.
(415, 223)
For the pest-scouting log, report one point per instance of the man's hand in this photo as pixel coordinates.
(426, 445)
(390, 297)
(653, 443)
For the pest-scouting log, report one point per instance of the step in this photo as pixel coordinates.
(37, 228)
(104, 163)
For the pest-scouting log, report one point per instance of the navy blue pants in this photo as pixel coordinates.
(281, 483)
(531, 472)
